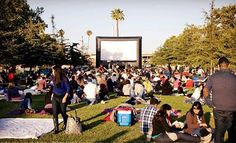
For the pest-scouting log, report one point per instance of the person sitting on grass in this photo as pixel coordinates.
(12, 92)
(165, 131)
(147, 85)
(41, 83)
(127, 88)
(196, 124)
(146, 117)
(91, 92)
(166, 87)
(189, 84)
(139, 89)
(196, 96)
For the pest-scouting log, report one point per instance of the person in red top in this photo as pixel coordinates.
(101, 69)
(189, 83)
(10, 77)
(41, 83)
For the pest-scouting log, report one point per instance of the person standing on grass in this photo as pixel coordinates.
(146, 117)
(222, 86)
(60, 92)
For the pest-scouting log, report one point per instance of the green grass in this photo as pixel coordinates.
(95, 130)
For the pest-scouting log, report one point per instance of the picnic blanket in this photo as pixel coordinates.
(23, 128)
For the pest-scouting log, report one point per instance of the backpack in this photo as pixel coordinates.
(73, 125)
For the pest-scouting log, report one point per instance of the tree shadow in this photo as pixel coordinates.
(112, 138)
(140, 139)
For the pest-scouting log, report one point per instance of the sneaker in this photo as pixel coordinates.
(103, 102)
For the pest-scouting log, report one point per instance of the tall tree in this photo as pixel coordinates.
(20, 26)
(199, 45)
(22, 36)
(118, 15)
(220, 29)
(75, 56)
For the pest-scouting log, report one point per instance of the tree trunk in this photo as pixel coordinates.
(117, 28)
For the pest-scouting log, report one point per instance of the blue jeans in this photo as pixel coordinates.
(224, 121)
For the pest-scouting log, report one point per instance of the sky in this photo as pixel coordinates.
(154, 20)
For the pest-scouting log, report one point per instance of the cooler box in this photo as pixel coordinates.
(124, 118)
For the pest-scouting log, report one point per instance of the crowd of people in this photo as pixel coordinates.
(95, 85)
(157, 125)
(126, 82)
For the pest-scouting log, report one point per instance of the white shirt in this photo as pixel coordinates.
(127, 89)
(200, 71)
(90, 90)
(196, 94)
(138, 89)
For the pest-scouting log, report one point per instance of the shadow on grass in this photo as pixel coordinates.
(77, 106)
(38, 101)
(7, 107)
(93, 117)
(91, 125)
(83, 103)
(113, 95)
(112, 138)
(140, 139)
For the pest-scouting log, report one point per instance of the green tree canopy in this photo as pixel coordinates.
(198, 45)
(23, 39)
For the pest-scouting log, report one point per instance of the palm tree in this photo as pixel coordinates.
(117, 14)
(61, 35)
(89, 33)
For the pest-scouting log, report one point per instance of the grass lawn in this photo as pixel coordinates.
(95, 130)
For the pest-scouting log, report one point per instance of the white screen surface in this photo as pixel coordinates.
(119, 50)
